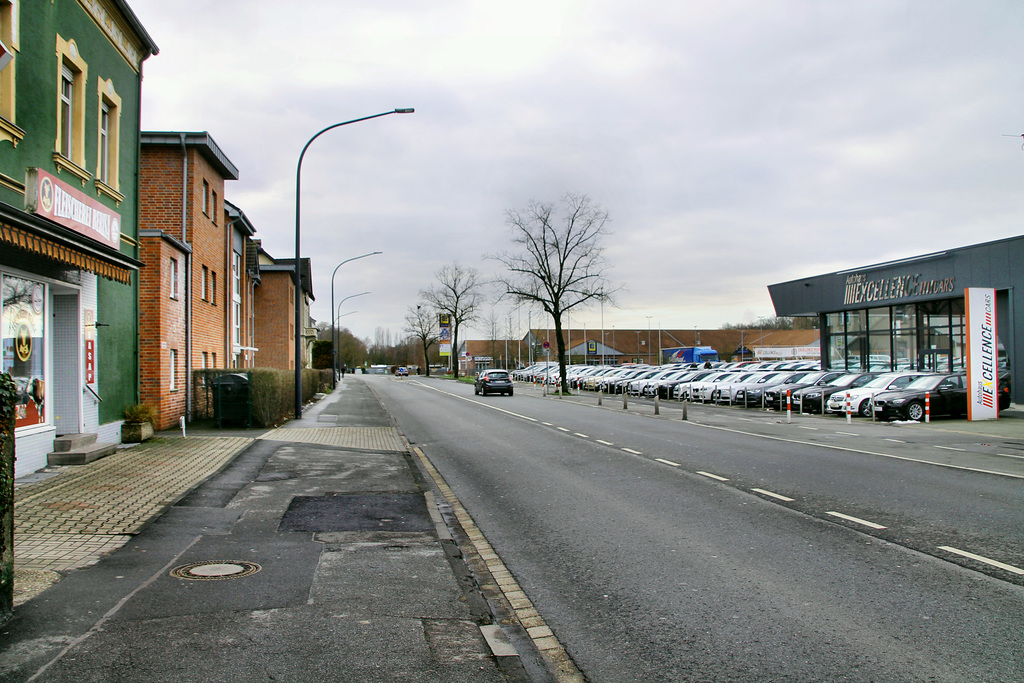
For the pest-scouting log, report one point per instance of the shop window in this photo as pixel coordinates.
(22, 322)
(108, 141)
(9, 37)
(69, 149)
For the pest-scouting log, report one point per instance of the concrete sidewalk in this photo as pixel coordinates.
(310, 552)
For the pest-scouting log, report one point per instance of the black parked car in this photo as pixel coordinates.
(947, 395)
(775, 398)
(493, 382)
(812, 399)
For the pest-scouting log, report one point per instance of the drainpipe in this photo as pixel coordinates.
(188, 279)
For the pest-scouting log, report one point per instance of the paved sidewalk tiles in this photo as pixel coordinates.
(362, 438)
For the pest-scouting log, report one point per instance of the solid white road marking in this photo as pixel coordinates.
(986, 560)
(774, 495)
(668, 462)
(856, 519)
(713, 476)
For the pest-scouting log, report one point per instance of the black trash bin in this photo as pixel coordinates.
(232, 399)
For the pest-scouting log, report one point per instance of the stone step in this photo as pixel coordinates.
(73, 442)
(81, 456)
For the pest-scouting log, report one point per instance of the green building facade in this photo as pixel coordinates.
(70, 97)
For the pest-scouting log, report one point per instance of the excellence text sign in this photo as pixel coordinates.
(982, 355)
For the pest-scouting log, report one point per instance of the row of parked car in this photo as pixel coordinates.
(774, 385)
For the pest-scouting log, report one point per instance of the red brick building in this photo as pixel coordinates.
(196, 307)
(275, 312)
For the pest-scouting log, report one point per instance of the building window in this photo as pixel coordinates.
(213, 206)
(173, 272)
(69, 148)
(206, 198)
(213, 287)
(108, 143)
(9, 37)
(202, 285)
(236, 298)
(173, 386)
(206, 360)
(213, 360)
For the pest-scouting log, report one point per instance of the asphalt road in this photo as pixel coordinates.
(645, 547)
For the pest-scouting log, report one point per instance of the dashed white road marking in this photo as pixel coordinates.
(980, 558)
(856, 519)
(774, 495)
(606, 443)
(895, 440)
(814, 429)
(847, 433)
(630, 450)
(1007, 455)
(582, 436)
(561, 429)
(713, 476)
(950, 448)
(668, 462)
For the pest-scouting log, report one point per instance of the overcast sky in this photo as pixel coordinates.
(735, 144)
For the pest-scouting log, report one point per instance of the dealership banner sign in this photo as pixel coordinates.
(444, 337)
(982, 355)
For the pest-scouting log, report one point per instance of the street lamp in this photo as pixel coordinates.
(649, 339)
(334, 353)
(298, 252)
(335, 335)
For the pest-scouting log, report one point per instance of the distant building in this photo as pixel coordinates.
(275, 313)
(69, 250)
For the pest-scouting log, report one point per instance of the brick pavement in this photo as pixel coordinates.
(362, 438)
(83, 512)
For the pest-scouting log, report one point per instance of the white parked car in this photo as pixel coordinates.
(860, 399)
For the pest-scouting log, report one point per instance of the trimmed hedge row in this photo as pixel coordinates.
(272, 392)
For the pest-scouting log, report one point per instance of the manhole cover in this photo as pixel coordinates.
(215, 570)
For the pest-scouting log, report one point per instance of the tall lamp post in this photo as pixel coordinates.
(336, 335)
(298, 252)
(334, 353)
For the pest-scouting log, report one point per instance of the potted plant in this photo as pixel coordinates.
(138, 423)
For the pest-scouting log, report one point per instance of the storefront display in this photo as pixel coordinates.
(24, 346)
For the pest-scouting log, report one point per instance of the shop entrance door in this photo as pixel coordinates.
(66, 381)
(935, 360)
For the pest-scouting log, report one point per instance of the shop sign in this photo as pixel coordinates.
(982, 356)
(51, 198)
(861, 290)
(784, 352)
(591, 348)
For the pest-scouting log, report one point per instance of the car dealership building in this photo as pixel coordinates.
(910, 313)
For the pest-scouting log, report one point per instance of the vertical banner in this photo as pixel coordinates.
(444, 338)
(982, 358)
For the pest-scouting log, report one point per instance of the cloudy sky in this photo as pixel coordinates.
(734, 143)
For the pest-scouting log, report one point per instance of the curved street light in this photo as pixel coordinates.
(335, 333)
(334, 355)
(298, 252)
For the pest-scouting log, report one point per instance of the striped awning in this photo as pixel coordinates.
(63, 253)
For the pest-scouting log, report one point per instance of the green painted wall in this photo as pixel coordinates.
(37, 86)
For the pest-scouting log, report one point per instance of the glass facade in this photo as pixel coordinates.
(926, 336)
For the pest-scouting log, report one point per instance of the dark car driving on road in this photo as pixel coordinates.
(493, 382)
(945, 394)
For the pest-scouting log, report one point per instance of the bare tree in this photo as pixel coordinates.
(421, 323)
(459, 293)
(557, 260)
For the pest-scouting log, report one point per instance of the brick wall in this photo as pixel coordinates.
(275, 319)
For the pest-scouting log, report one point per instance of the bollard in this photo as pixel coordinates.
(872, 407)
(684, 408)
(849, 418)
(657, 408)
(789, 407)
(927, 406)
(623, 400)
(600, 394)
(181, 421)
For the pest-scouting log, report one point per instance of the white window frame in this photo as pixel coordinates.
(173, 386)
(173, 289)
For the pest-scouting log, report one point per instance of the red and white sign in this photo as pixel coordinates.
(47, 196)
(982, 354)
(90, 361)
